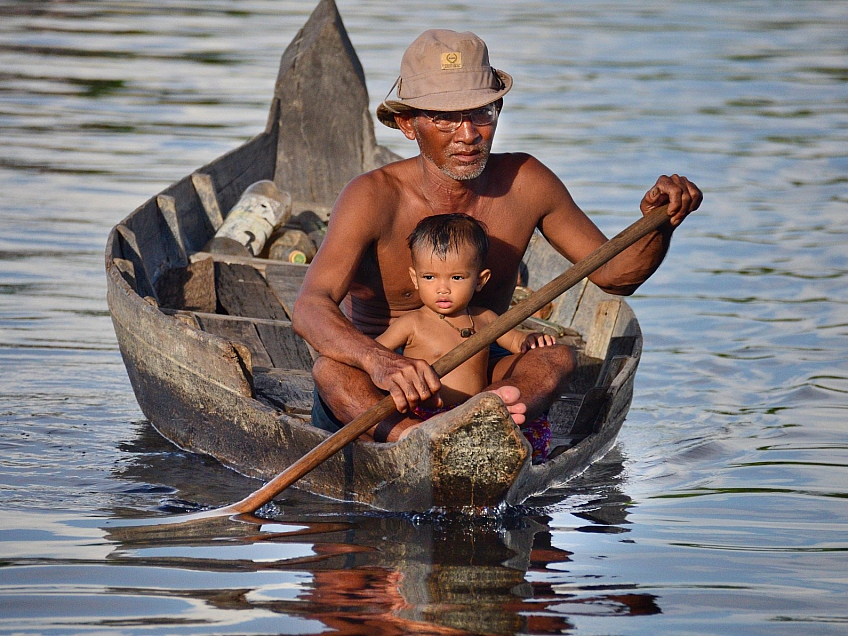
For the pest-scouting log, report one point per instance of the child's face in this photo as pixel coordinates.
(447, 286)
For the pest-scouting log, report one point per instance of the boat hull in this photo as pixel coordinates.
(208, 393)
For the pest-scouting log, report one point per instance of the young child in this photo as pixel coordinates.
(448, 256)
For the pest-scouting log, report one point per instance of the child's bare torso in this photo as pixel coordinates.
(431, 337)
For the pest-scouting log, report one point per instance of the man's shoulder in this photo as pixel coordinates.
(380, 182)
(373, 194)
(522, 162)
(519, 174)
(392, 170)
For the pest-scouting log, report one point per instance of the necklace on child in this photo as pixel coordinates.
(467, 332)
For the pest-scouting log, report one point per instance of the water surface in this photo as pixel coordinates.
(721, 509)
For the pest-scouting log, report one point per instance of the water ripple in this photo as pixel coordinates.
(727, 477)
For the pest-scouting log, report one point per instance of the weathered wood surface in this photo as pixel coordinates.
(286, 389)
(130, 252)
(243, 291)
(284, 278)
(208, 199)
(191, 287)
(320, 93)
(286, 284)
(274, 342)
(619, 393)
(151, 245)
(287, 350)
(243, 396)
(242, 331)
(168, 209)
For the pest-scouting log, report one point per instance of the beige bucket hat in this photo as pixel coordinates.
(444, 70)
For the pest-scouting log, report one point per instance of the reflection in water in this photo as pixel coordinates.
(725, 506)
(382, 574)
(366, 572)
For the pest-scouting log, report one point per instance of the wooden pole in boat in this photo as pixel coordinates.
(462, 352)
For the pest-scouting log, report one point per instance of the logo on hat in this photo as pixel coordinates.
(451, 60)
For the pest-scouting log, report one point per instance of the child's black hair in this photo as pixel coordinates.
(445, 233)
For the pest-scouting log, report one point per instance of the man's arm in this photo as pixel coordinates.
(354, 227)
(575, 236)
(317, 317)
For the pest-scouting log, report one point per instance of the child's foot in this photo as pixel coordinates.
(510, 396)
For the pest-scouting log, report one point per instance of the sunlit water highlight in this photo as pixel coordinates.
(721, 510)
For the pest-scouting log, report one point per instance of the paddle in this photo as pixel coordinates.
(483, 338)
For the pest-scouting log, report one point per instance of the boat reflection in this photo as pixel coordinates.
(360, 571)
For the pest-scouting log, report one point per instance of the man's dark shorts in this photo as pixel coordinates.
(323, 418)
(496, 352)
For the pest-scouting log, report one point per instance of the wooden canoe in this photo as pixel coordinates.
(207, 340)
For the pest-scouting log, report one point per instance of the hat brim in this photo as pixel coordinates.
(449, 101)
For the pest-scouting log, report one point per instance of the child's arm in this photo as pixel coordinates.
(397, 335)
(401, 333)
(519, 341)
(535, 339)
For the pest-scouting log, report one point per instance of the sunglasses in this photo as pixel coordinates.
(449, 121)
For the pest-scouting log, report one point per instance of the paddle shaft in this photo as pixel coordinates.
(462, 352)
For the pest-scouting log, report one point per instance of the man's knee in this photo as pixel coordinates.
(347, 390)
(328, 373)
(550, 365)
(559, 362)
(321, 369)
(566, 360)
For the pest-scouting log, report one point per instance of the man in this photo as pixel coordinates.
(448, 101)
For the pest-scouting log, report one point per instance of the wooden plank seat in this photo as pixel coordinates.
(230, 296)
(287, 389)
(272, 343)
(242, 290)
